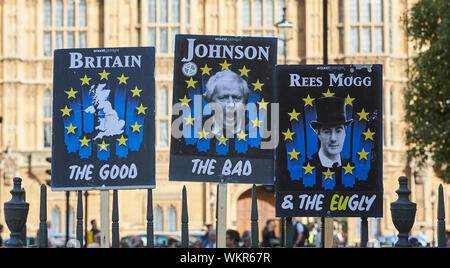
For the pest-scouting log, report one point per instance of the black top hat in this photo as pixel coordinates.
(330, 111)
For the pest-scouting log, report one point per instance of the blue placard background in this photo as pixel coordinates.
(103, 133)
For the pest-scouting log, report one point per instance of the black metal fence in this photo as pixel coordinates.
(16, 210)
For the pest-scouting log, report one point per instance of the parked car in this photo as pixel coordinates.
(387, 241)
(31, 241)
(160, 239)
(60, 239)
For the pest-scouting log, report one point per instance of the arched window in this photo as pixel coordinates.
(158, 219)
(48, 13)
(163, 102)
(171, 219)
(47, 101)
(55, 220)
(71, 221)
(163, 112)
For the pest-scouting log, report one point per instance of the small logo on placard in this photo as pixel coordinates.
(189, 69)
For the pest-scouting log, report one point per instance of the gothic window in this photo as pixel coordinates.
(158, 219)
(171, 220)
(162, 20)
(47, 117)
(366, 25)
(162, 117)
(64, 25)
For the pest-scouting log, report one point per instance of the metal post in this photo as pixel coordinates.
(184, 221)
(221, 215)
(283, 231)
(289, 234)
(325, 62)
(86, 214)
(325, 32)
(43, 236)
(150, 243)
(104, 218)
(115, 221)
(364, 232)
(403, 213)
(80, 218)
(67, 217)
(441, 218)
(254, 219)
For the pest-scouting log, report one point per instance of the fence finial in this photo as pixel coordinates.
(441, 218)
(43, 236)
(184, 221)
(403, 213)
(16, 212)
(254, 219)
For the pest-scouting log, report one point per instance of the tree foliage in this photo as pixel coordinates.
(427, 97)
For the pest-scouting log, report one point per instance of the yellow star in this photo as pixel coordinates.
(363, 154)
(241, 135)
(225, 65)
(288, 135)
(85, 142)
(136, 127)
(85, 80)
(349, 100)
(328, 93)
(293, 115)
(257, 85)
(189, 120)
(71, 93)
(244, 71)
(328, 174)
(223, 140)
(262, 104)
(136, 92)
(308, 100)
(103, 146)
(308, 169)
(122, 79)
(203, 134)
(191, 83)
(293, 154)
(185, 101)
(348, 169)
(71, 129)
(368, 134)
(122, 141)
(256, 123)
(362, 115)
(141, 109)
(66, 111)
(104, 75)
(206, 69)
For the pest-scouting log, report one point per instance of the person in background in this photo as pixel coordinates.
(422, 237)
(50, 237)
(172, 243)
(232, 238)
(246, 239)
(208, 227)
(1, 239)
(269, 238)
(299, 237)
(210, 242)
